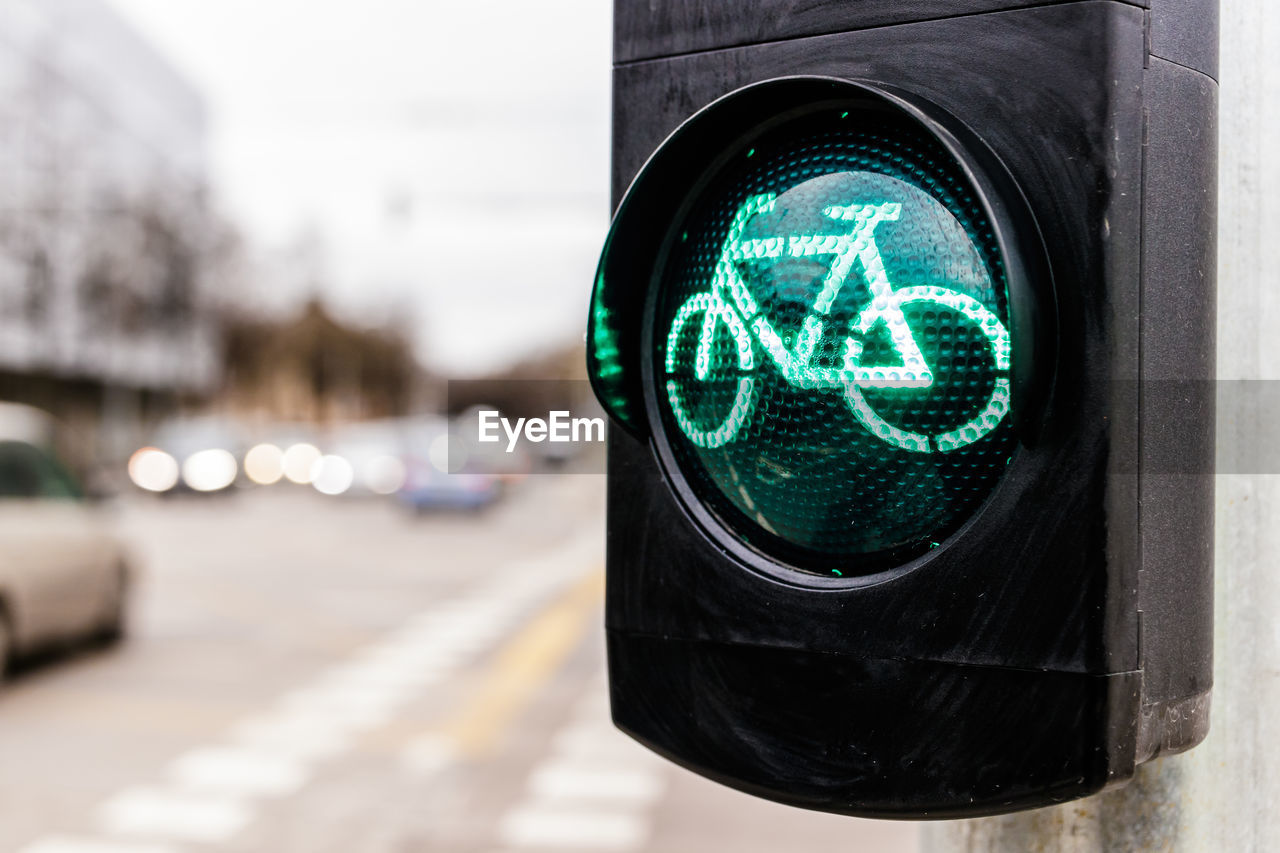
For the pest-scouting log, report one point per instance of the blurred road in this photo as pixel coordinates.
(312, 675)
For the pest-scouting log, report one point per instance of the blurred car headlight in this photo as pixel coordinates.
(264, 464)
(153, 470)
(209, 470)
(383, 475)
(299, 459)
(332, 475)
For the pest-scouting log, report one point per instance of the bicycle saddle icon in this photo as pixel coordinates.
(730, 301)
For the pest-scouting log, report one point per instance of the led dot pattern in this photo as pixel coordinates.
(832, 351)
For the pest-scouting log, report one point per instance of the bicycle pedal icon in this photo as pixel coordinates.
(730, 301)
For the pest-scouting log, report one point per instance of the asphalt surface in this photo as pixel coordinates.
(319, 674)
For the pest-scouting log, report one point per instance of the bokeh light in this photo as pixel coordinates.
(209, 470)
(448, 454)
(383, 475)
(332, 475)
(153, 470)
(299, 460)
(264, 464)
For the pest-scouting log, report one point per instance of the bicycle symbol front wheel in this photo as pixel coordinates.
(711, 310)
(985, 418)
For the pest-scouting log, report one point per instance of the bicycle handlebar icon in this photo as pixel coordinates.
(730, 301)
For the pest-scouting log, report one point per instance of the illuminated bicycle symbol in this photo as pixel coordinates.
(729, 301)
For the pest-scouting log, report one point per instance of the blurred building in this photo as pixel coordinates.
(105, 302)
(316, 369)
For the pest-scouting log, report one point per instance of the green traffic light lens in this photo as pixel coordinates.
(832, 344)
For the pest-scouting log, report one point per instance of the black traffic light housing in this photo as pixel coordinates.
(1063, 635)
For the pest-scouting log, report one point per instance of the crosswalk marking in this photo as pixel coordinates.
(238, 772)
(165, 813)
(594, 790)
(601, 742)
(577, 828)
(300, 735)
(569, 780)
(428, 755)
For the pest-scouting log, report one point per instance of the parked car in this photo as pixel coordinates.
(63, 573)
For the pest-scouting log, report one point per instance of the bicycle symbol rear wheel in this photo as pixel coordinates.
(985, 418)
(712, 310)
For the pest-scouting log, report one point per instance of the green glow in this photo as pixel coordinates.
(606, 348)
(885, 310)
(834, 352)
(604, 359)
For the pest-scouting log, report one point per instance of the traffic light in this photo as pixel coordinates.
(905, 326)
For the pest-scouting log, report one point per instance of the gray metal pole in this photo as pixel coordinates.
(1225, 794)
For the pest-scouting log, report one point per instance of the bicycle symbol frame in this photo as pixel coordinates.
(729, 300)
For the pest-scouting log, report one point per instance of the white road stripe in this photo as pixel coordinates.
(238, 772)
(345, 707)
(429, 755)
(603, 743)
(300, 735)
(569, 780)
(349, 691)
(70, 844)
(421, 657)
(160, 812)
(563, 829)
(376, 677)
(398, 669)
(594, 791)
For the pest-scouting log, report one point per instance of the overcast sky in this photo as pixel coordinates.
(451, 158)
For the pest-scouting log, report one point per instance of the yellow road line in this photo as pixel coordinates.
(522, 666)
